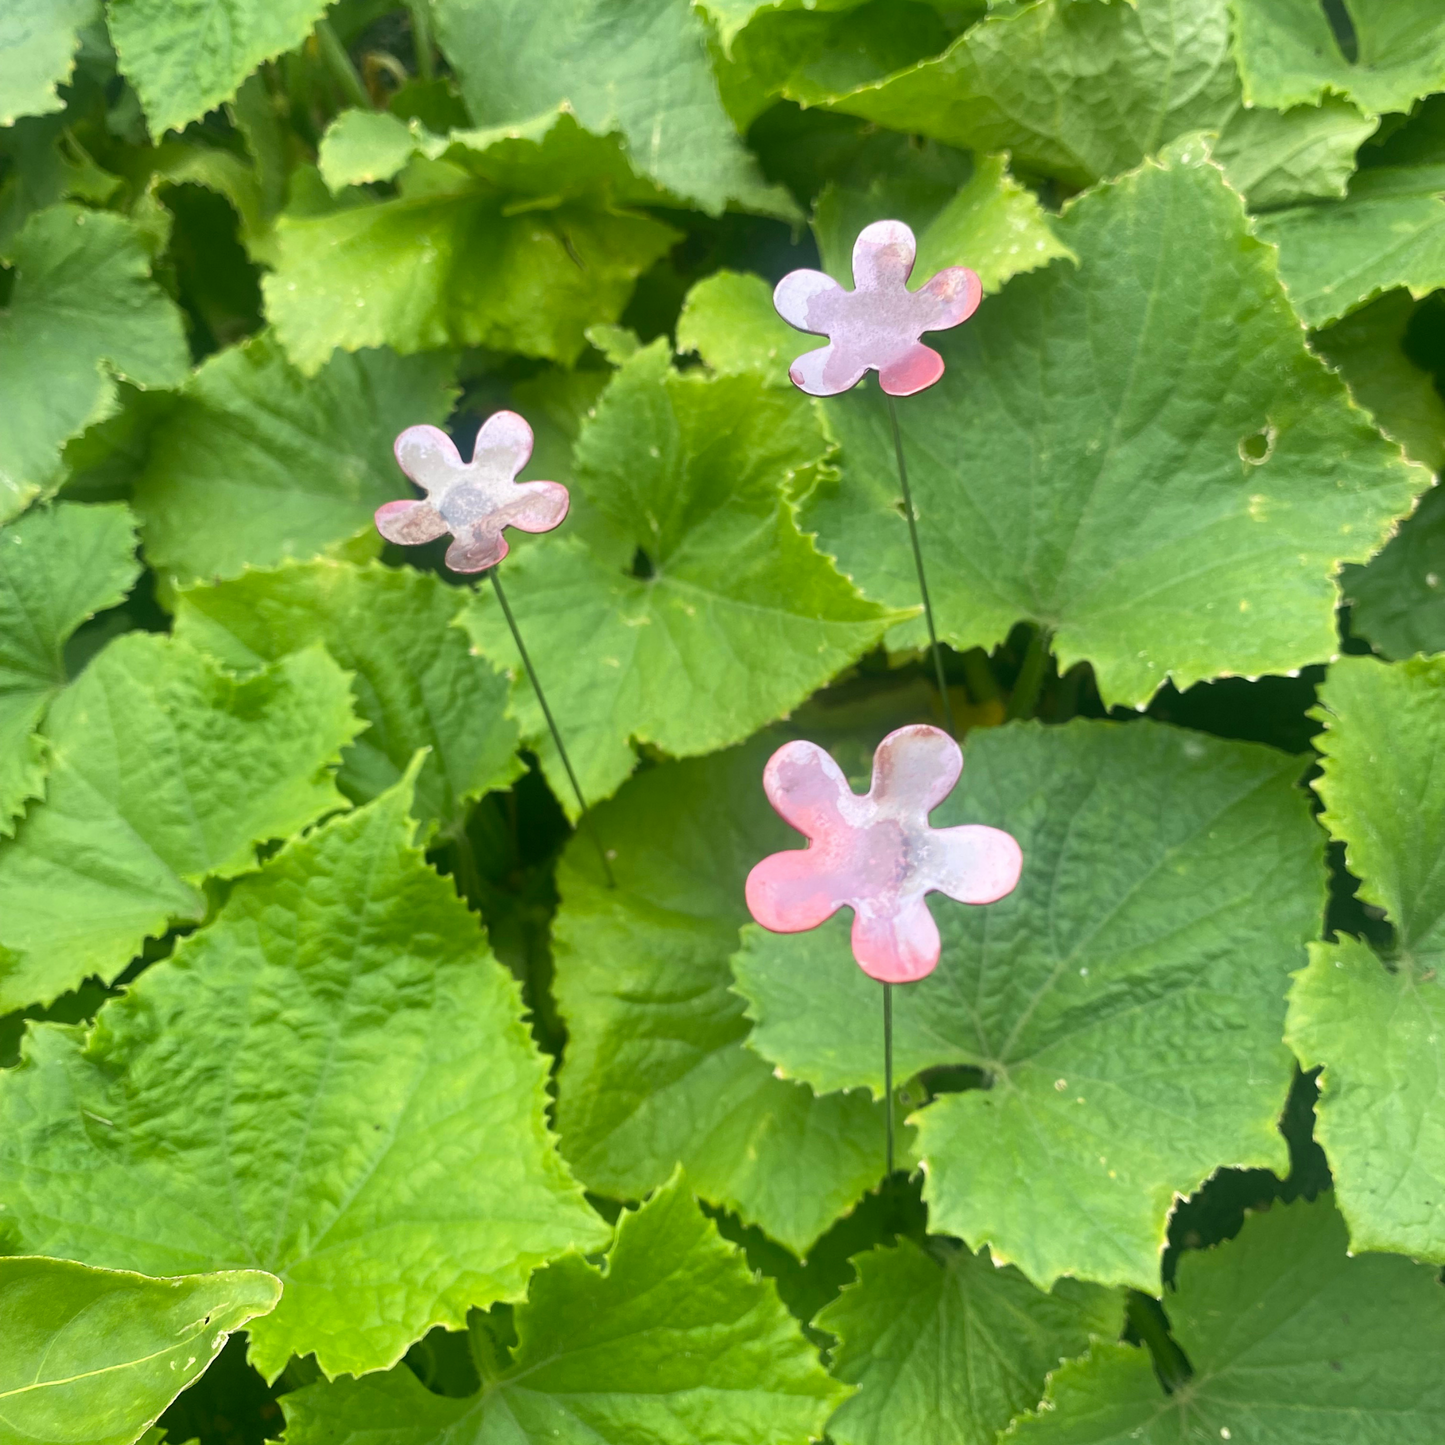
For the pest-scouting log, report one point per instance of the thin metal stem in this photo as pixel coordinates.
(585, 818)
(888, 1067)
(918, 563)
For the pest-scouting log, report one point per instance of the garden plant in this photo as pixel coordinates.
(366, 1079)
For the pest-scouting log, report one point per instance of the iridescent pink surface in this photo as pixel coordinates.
(472, 500)
(878, 323)
(877, 854)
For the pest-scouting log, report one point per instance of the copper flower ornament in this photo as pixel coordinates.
(877, 853)
(472, 500)
(876, 325)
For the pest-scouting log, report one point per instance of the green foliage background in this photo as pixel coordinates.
(321, 1026)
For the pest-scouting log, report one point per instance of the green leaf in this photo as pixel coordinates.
(38, 41)
(991, 224)
(640, 70)
(1279, 158)
(165, 771)
(729, 320)
(58, 567)
(1288, 52)
(730, 17)
(1389, 230)
(673, 1340)
(92, 1356)
(692, 610)
(83, 312)
(1077, 91)
(947, 1351)
(257, 463)
(185, 57)
(1396, 601)
(1125, 1003)
(1165, 510)
(655, 1071)
(1378, 1025)
(515, 241)
(1367, 349)
(332, 1081)
(1290, 1339)
(414, 680)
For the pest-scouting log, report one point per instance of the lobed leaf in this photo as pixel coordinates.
(332, 1081)
(1124, 1003)
(38, 41)
(1396, 600)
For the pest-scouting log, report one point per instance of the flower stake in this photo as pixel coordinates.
(475, 501)
(879, 856)
(875, 327)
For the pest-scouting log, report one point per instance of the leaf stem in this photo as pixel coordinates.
(584, 817)
(338, 62)
(1024, 700)
(421, 38)
(918, 563)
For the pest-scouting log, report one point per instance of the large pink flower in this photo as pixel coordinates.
(878, 323)
(877, 854)
(472, 500)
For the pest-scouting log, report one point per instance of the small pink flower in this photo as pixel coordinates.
(876, 325)
(876, 854)
(472, 500)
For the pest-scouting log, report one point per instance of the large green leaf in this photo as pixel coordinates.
(92, 1356)
(690, 610)
(1388, 231)
(1367, 349)
(257, 463)
(1397, 601)
(514, 240)
(415, 681)
(947, 1350)
(185, 57)
(1288, 52)
(672, 1341)
(83, 312)
(1290, 1339)
(1125, 1002)
(1279, 158)
(165, 771)
(38, 41)
(640, 69)
(1378, 1025)
(332, 1081)
(1138, 453)
(655, 1071)
(58, 566)
(1077, 91)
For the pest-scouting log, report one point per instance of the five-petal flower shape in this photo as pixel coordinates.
(878, 323)
(877, 854)
(472, 500)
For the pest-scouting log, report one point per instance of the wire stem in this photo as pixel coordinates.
(888, 1068)
(584, 816)
(918, 563)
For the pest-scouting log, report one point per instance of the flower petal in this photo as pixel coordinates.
(897, 943)
(826, 371)
(535, 507)
(429, 457)
(796, 295)
(808, 790)
(974, 863)
(504, 444)
(477, 547)
(914, 769)
(912, 371)
(409, 522)
(883, 256)
(787, 893)
(954, 295)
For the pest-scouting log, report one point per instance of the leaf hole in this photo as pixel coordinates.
(1257, 449)
(642, 567)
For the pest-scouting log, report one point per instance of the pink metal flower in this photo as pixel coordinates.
(472, 500)
(877, 854)
(876, 325)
